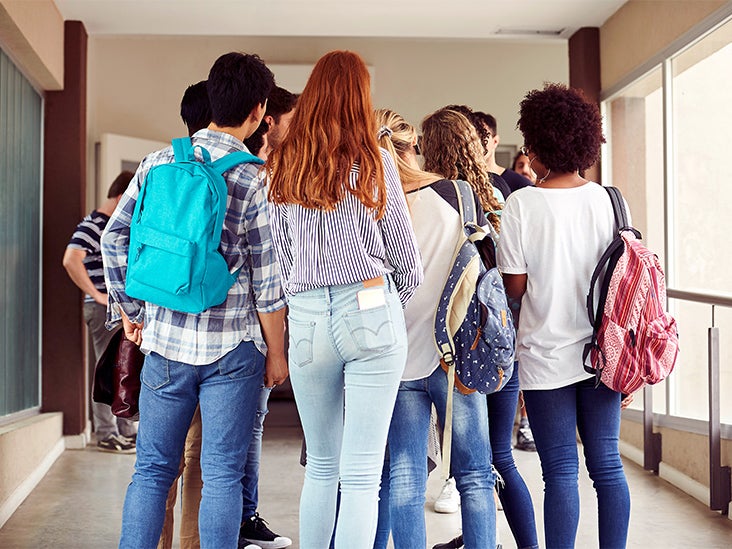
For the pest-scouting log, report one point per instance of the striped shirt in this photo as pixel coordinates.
(245, 242)
(87, 237)
(318, 248)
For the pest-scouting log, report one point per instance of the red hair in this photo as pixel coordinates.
(333, 128)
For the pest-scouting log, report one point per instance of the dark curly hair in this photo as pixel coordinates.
(561, 127)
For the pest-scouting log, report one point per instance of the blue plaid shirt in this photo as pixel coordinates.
(245, 242)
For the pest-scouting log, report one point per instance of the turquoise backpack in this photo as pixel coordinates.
(174, 259)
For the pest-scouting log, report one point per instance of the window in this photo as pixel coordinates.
(668, 133)
(20, 223)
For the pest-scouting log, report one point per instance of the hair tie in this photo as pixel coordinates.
(384, 131)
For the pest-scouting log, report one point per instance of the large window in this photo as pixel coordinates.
(20, 224)
(668, 133)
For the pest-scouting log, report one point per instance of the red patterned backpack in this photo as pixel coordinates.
(634, 340)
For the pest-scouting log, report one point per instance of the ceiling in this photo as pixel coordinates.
(469, 19)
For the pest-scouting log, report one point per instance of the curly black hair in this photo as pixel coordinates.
(561, 127)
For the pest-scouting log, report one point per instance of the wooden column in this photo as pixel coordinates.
(584, 72)
(64, 189)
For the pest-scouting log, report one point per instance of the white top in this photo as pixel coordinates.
(437, 226)
(556, 238)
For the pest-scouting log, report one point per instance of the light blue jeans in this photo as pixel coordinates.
(250, 482)
(556, 415)
(345, 366)
(471, 451)
(227, 390)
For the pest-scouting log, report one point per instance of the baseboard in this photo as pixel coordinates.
(10, 505)
(77, 442)
(695, 489)
(629, 451)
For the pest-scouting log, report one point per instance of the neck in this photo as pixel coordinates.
(492, 165)
(563, 180)
(240, 132)
(108, 207)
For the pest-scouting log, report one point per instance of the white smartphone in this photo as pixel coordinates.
(371, 298)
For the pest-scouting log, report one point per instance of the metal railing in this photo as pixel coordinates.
(720, 477)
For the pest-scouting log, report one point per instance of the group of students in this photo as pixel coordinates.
(343, 237)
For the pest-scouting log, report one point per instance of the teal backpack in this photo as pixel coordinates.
(174, 259)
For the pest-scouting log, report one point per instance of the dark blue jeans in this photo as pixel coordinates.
(556, 416)
(514, 494)
(471, 449)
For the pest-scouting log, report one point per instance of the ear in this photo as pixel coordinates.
(497, 139)
(258, 112)
(269, 119)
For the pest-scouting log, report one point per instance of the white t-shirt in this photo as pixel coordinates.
(437, 226)
(556, 238)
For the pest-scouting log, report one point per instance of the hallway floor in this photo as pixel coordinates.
(79, 502)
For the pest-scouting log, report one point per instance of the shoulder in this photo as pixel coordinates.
(515, 180)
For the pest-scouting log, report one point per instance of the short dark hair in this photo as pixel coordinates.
(255, 142)
(487, 120)
(237, 83)
(194, 107)
(280, 102)
(561, 127)
(120, 184)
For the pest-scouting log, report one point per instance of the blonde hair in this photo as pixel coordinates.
(332, 130)
(398, 141)
(452, 148)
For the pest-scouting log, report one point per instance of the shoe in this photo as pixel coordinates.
(254, 530)
(449, 499)
(525, 439)
(116, 444)
(131, 438)
(455, 543)
(251, 546)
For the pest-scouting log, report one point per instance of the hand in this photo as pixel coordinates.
(627, 399)
(101, 298)
(275, 370)
(133, 330)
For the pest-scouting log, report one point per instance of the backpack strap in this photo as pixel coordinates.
(225, 163)
(466, 205)
(183, 150)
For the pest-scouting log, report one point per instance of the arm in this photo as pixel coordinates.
(273, 331)
(515, 286)
(115, 245)
(400, 244)
(266, 286)
(73, 262)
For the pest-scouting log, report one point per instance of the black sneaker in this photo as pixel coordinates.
(455, 543)
(254, 530)
(116, 444)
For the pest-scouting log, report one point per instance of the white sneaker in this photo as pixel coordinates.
(449, 499)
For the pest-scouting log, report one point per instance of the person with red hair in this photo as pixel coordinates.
(349, 264)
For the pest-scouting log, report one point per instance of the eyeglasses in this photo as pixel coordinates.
(524, 150)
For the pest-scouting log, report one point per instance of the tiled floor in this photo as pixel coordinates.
(78, 504)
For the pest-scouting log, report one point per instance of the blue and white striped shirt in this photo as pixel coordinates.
(87, 237)
(245, 242)
(318, 248)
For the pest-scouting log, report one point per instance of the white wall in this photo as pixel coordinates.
(135, 83)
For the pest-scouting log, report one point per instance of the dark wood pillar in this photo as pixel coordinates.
(584, 72)
(64, 190)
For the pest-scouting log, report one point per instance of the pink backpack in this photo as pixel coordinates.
(634, 340)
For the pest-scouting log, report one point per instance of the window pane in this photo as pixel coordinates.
(20, 187)
(702, 117)
(636, 137)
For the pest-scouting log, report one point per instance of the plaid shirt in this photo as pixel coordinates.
(245, 242)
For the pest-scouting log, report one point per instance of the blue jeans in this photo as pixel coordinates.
(250, 481)
(556, 416)
(227, 391)
(345, 366)
(470, 461)
(514, 494)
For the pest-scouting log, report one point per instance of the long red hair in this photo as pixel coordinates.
(333, 128)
